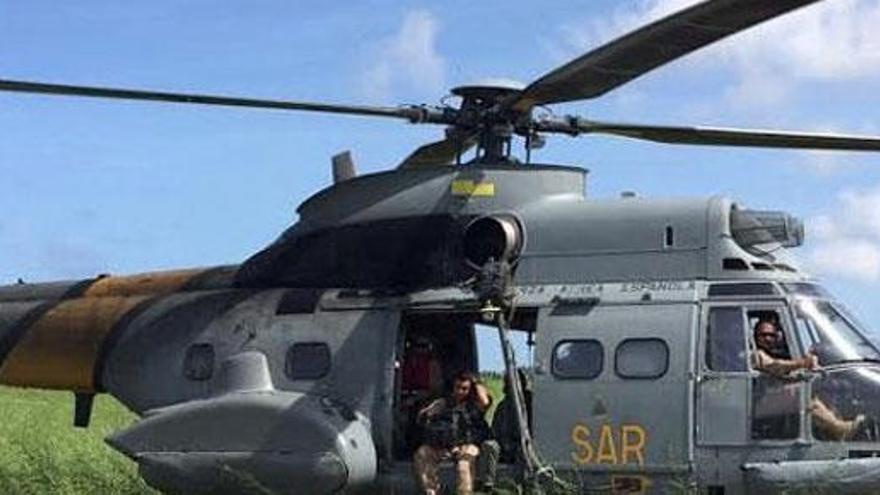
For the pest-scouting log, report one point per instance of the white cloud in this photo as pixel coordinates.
(408, 61)
(822, 163)
(848, 240)
(848, 258)
(756, 86)
(831, 40)
(861, 210)
(593, 32)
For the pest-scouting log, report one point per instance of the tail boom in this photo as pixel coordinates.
(57, 335)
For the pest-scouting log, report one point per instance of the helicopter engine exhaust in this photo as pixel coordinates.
(493, 237)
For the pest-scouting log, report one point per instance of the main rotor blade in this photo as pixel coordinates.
(649, 47)
(438, 153)
(413, 114)
(733, 137)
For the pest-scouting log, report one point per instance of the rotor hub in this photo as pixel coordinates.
(483, 108)
(485, 94)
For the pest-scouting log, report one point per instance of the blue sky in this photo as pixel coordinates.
(90, 186)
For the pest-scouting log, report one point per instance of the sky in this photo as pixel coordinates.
(91, 186)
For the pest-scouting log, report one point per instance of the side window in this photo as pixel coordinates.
(307, 361)
(578, 359)
(641, 358)
(725, 340)
(198, 364)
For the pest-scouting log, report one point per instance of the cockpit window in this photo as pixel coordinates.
(830, 334)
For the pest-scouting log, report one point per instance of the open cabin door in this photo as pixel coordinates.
(345, 352)
(612, 388)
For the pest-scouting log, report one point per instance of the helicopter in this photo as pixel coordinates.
(282, 373)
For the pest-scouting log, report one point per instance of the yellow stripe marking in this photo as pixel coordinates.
(471, 188)
(145, 283)
(59, 351)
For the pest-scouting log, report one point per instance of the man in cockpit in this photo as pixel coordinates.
(770, 358)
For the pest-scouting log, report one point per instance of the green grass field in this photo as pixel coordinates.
(42, 453)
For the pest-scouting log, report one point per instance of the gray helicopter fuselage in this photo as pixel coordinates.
(285, 372)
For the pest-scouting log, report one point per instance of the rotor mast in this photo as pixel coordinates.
(483, 110)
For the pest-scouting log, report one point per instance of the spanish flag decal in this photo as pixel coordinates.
(470, 188)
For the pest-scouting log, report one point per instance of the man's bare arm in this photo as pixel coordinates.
(779, 366)
(431, 409)
(484, 400)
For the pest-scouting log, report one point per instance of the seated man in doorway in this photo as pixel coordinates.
(770, 358)
(454, 428)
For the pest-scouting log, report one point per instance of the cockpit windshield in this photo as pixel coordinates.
(827, 330)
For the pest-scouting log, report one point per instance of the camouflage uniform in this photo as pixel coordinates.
(469, 430)
(427, 458)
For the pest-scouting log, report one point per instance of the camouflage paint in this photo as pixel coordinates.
(56, 335)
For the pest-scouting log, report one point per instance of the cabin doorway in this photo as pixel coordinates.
(433, 347)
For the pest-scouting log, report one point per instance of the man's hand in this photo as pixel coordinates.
(484, 400)
(810, 361)
(431, 409)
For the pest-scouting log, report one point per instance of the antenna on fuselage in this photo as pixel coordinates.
(343, 167)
